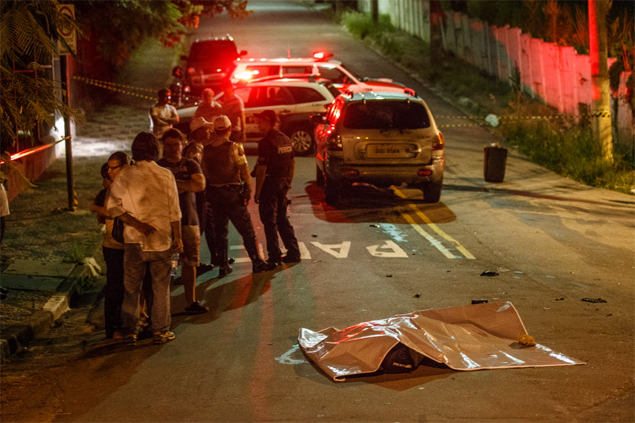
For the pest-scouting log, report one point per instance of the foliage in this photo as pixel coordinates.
(28, 42)
(572, 152)
(361, 25)
(28, 32)
(76, 254)
(116, 24)
(564, 147)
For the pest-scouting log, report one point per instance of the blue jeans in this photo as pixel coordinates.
(136, 262)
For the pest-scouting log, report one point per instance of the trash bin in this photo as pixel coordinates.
(494, 163)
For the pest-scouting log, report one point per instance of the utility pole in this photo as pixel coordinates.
(600, 95)
(374, 12)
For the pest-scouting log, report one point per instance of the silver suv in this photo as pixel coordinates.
(381, 138)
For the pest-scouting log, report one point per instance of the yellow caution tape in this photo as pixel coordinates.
(111, 86)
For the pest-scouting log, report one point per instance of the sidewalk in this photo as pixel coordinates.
(44, 244)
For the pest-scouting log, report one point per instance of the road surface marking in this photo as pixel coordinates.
(393, 250)
(304, 251)
(287, 359)
(245, 259)
(433, 241)
(435, 228)
(336, 250)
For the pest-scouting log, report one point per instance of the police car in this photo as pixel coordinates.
(320, 65)
(293, 100)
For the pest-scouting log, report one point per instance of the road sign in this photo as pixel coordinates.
(67, 32)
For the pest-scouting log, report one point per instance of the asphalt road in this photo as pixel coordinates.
(552, 241)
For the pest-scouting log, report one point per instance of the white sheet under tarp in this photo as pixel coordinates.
(473, 337)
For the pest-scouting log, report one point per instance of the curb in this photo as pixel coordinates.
(14, 340)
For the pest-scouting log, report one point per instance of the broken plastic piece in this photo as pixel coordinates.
(527, 340)
(489, 273)
(593, 300)
(374, 225)
(481, 301)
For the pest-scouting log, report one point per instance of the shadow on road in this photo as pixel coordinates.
(367, 204)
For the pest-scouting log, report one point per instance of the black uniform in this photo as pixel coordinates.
(224, 196)
(276, 152)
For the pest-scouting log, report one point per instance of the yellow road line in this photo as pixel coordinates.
(417, 227)
(435, 228)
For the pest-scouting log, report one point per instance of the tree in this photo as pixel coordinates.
(120, 26)
(28, 33)
(28, 36)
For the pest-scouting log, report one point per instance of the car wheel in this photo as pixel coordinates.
(432, 191)
(319, 177)
(302, 141)
(332, 191)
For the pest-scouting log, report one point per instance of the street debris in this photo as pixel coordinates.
(489, 273)
(416, 296)
(527, 340)
(559, 299)
(473, 337)
(374, 225)
(593, 300)
(389, 275)
(481, 301)
(314, 235)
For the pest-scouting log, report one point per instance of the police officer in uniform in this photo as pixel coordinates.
(274, 174)
(228, 192)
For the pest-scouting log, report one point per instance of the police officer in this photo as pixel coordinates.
(274, 174)
(228, 192)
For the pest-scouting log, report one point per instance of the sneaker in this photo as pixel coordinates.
(291, 258)
(262, 266)
(196, 308)
(130, 340)
(163, 337)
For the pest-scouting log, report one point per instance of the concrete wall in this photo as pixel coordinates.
(556, 75)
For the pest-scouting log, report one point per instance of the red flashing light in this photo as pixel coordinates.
(424, 172)
(320, 55)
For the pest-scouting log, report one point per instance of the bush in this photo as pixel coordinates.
(564, 147)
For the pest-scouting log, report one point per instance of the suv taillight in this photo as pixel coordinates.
(334, 142)
(439, 142)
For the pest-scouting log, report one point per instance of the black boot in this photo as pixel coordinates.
(222, 249)
(257, 264)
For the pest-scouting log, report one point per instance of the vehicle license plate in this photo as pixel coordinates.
(386, 151)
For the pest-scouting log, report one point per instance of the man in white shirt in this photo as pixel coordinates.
(145, 197)
(163, 115)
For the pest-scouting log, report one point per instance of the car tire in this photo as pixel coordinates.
(332, 191)
(302, 140)
(319, 177)
(432, 191)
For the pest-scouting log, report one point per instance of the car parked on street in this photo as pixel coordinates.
(293, 100)
(380, 138)
(319, 65)
(210, 64)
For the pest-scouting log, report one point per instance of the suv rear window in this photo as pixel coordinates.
(213, 50)
(386, 115)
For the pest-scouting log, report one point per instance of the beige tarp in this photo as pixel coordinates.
(473, 337)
